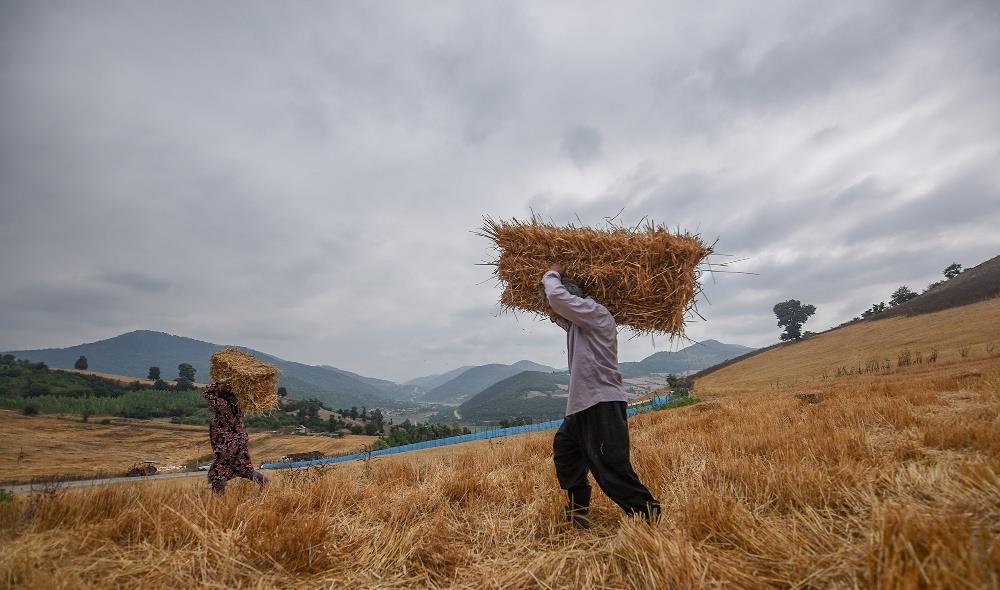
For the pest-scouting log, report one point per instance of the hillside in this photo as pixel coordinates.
(532, 394)
(133, 353)
(429, 382)
(692, 358)
(472, 381)
(976, 284)
(951, 336)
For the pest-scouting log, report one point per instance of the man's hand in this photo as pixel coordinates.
(557, 268)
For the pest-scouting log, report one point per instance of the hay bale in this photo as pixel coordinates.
(253, 383)
(646, 276)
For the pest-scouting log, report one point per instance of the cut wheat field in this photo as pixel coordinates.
(49, 446)
(866, 481)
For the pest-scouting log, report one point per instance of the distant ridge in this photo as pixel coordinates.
(691, 358)
(134, 352)
(431, 381)
(529, 394)
(475, 379)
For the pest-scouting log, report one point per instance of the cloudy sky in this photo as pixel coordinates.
(303, 178)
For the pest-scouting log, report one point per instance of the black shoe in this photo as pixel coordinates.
(652, 513)
(577, 518)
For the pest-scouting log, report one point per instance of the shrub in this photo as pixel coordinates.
(30, 410)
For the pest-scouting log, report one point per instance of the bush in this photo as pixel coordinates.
(6, 496)
(357, 429)
(30, 410)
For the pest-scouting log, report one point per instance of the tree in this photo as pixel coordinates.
(791, 315)
(154, 374)
(901, 295)
(952, 270)
(161, 385)
(186, 371)
(875, 309)
(183, 384)
(81, 363)
(282, 392)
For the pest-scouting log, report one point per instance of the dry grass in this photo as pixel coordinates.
(804, 364)
(876, 482)
(54, 445)
(646, 276)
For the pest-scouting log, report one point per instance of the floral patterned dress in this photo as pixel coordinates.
(229, 438)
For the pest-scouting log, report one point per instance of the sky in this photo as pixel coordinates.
(305, 178)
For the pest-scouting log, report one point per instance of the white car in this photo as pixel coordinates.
(204, 467)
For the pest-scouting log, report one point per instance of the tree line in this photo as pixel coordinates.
(792, 314)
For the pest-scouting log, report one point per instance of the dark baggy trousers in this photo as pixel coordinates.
(596, 440)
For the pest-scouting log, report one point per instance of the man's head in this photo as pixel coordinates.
(571, 286)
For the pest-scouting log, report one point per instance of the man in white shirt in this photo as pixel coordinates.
(594, 435)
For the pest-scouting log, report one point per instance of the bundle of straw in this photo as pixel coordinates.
(646, 276)
(253, 383)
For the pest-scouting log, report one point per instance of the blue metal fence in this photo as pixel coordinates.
(452, 440)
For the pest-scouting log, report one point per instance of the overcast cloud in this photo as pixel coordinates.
(303, 178)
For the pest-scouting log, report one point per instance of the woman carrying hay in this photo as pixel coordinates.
(229, 439)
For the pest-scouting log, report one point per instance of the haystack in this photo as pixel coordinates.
(646, 276)
(253, 383)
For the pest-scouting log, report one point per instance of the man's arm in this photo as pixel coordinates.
(578, 310)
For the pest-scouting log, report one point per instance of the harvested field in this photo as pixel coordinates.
(52, 445)
(868, 481)
(972, 330)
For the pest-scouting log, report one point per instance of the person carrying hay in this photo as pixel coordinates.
(229, 439)
(594, 435)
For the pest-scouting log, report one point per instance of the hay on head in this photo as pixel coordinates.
(646, 276)
(253, 383)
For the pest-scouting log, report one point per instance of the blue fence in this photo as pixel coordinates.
(453, 440)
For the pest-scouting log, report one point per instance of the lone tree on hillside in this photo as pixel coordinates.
(953, 270)
(186, 371)
(791, 315)
(81, 363)
(901, 295)
(154, 374)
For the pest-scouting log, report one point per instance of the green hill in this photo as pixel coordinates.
(531, 394)
(133, 353)
(477, 379)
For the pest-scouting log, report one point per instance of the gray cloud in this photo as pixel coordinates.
(304, 181)
(582, 145)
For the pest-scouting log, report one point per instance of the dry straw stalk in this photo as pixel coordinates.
(646, 276)
(253, 383)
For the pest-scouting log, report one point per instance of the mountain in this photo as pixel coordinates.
(133, 353)
(533, 394)
(405, 393)
(693, 358)
(471, 381)
(431, 381)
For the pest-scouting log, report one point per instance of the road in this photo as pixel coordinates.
(86, 483)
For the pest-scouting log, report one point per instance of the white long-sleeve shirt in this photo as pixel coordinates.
(591, 346)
